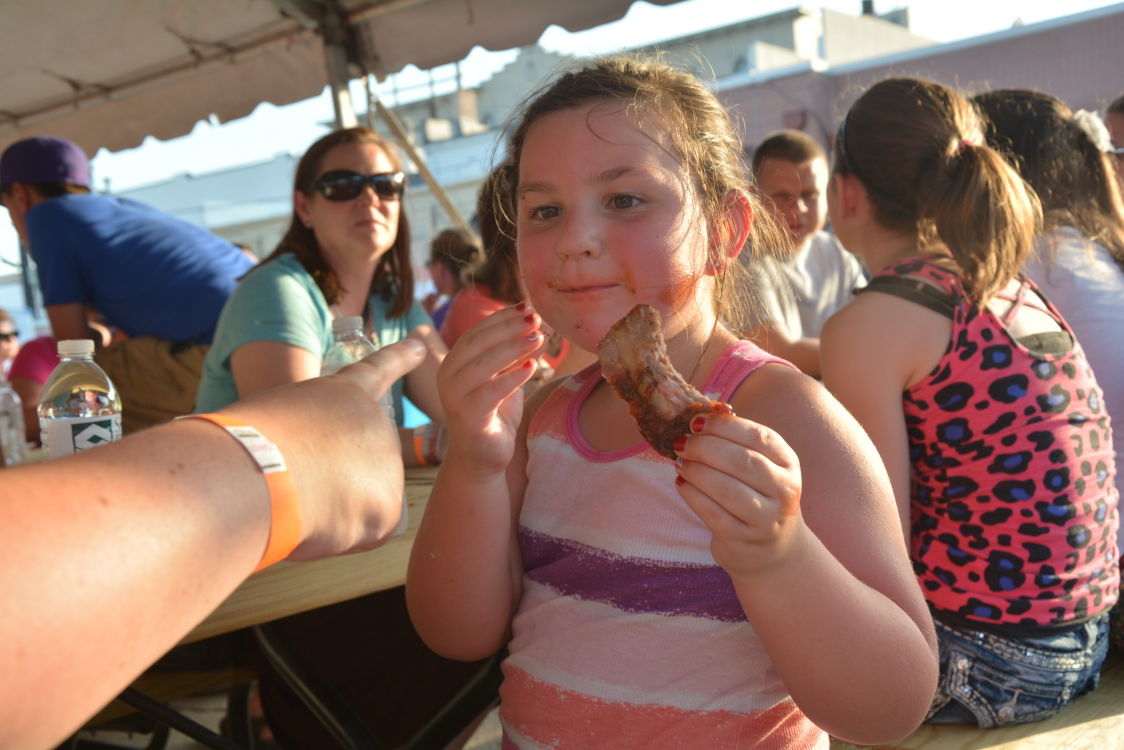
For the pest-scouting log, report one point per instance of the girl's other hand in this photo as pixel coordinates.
(743, 481)
(481, 386)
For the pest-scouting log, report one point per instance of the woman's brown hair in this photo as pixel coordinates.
(918, 148)
(456, 249)
(1074, 179)
(703, 138)
(394, 276)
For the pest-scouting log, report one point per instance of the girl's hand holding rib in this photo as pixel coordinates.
(481, 386)
(743, 480)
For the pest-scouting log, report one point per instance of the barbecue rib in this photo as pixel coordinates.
(634, 362)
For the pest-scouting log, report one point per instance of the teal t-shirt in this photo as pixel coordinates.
(279, 301)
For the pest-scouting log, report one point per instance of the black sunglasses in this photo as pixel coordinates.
(345, 185)
(9, 336)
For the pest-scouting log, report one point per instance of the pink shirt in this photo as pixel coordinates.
(36, 359)
(470, 305)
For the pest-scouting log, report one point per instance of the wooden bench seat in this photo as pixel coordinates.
(1092, 722)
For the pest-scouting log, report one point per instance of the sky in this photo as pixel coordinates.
(271, 130)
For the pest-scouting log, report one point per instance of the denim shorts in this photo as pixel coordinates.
(990, 680)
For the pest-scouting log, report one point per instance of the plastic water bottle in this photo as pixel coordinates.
(348, 344)
(351, 345)
(80, 408)
(13, 433)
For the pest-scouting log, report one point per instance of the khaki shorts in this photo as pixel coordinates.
(156, 385)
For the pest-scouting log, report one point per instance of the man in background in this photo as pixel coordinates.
(817, 276)
(158, 280)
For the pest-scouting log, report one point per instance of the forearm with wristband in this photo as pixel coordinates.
(285, 510)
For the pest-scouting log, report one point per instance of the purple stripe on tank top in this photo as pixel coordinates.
(631, 584)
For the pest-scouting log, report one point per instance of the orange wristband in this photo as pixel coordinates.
(419, 448)
(285, 509)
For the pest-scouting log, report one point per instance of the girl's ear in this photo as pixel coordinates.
(850, 194)
(728, 238)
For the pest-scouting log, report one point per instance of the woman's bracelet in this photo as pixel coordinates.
(419, 447)
(285, 509)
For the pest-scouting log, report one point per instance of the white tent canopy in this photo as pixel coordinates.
(107, 73)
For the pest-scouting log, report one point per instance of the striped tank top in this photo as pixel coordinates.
(629, 634)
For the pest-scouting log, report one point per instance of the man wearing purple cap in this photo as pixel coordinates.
(159, 280)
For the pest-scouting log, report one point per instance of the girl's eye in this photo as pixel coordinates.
(542, 213)
(623, 202)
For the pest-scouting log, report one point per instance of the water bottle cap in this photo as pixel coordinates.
(347, 323)
(75, 347)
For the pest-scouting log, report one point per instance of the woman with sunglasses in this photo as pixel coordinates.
(346, 252)
(981, 403)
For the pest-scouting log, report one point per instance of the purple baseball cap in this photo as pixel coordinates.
(45, 158)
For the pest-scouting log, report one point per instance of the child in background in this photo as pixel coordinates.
(982, 404)
(452, 254)
(756, 592)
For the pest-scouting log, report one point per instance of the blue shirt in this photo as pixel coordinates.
(279, 301)
(146, 272)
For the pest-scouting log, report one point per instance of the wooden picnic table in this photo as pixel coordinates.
(288, 588)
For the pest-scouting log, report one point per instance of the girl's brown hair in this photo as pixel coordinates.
(394, 275)
(1074, 179)
(918, 148)
(495, 217)
(703, 138)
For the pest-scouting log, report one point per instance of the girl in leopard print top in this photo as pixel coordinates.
(981, 402)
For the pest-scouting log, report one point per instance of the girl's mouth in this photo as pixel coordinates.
(586, 288)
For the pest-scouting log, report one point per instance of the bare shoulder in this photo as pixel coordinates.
(846, 493)
(883, 336)
(836, 455)
(873, 310)
(799, 408)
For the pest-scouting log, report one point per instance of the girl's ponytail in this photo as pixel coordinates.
(973, 202)
(918, 148)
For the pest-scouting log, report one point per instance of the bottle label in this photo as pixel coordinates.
(65, 437)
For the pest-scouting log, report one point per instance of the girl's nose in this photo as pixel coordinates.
(580, 237)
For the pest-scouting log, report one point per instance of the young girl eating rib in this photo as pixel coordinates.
(756, 591)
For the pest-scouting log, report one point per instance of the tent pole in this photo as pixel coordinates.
(399, 132)
(333, 31)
